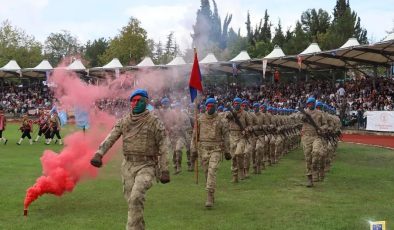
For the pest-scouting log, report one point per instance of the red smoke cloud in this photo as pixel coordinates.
(61, 172)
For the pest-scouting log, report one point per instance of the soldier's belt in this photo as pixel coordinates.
(139, 158)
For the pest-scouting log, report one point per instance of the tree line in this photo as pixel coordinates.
(210, 34)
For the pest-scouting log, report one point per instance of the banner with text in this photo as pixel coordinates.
(380, 120)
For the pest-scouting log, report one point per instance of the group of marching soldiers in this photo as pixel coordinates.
(49, 127)
(254, 136)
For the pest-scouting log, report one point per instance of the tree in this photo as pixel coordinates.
(345, 25)
(315, 22)
(16, 44)
(249, 32)
(266, 29)
(130, 46)
(60, 45)
(93, 51)
(208, 33)
(279, 37)
(298, 42)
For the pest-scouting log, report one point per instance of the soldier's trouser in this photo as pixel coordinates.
(137, 179)
(261, 146)
(188, 143)
(312, 147)
(272, 149)
(179, 144)
(250, 153)
(237, 148)
(210, 159)
(278, 148)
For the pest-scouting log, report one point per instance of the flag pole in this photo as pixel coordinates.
(197, 132)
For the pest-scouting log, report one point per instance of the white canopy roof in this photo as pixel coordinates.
(43, 66)
(76, 65)
(114, 64)
(210, 58)
(177, 61)
(351, 42)
(389, 37)
(242, 56)
(312, 48)
(11, 66)
(275, 53)
(147, 62)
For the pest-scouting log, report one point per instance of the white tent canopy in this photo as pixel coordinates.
(210, 58)
(113, 64)
(242, 56)
(10, 69)
(11, 66)
(351, 42)
(147, 62)
(177, 61)
(389, 37)
(43, 66)
(275, 53)
(76, 66)
(312, 48)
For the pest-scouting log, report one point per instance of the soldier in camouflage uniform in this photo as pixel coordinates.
(238, 120)
(180, 135)
(311, 140)
(209, 141)
(145, 153)
(251, 144)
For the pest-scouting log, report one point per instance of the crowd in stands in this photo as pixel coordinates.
(351, 98)
(17, 100)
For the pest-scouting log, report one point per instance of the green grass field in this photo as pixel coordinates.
(359, 188)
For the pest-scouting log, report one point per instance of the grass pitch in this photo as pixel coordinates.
(358, 189)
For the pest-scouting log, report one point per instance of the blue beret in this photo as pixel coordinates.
(220, 108)
(210, 101)
(311, 100)
(319, 104)
(140, 92)
(165, 101)
(237, 99)
(245, 102)
(256, 104)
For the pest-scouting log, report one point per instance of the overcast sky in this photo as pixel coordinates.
(90, 19)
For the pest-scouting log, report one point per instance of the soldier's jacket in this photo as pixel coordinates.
(318, 117)
(182, 127)
(234, 128)
(143, 134)
(263, 123)
(167, 116)
(212, 131)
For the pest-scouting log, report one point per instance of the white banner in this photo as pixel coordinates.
(380, 120)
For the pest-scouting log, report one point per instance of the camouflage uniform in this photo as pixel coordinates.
(262, 148)
(312, 143)
(238, 142)
(180, 138)
(250, 149)
(145, 149)
(212, 139)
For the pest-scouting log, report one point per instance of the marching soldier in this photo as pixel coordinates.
(211, 138)
(313, 124)
(238, 120)
(54, 127)
(145, 149)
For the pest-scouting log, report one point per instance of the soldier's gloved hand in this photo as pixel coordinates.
(227, 156)
(165, 177)
(96, 161)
